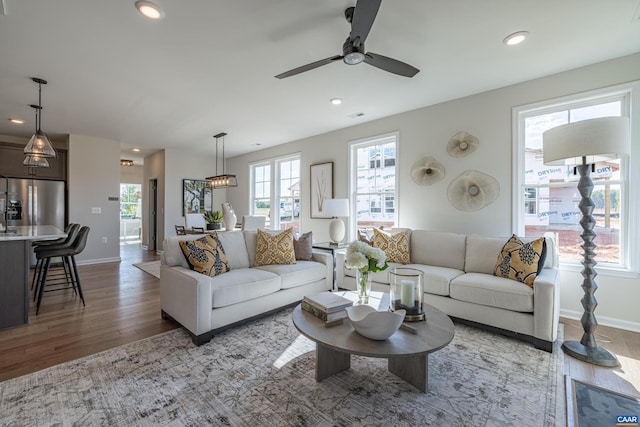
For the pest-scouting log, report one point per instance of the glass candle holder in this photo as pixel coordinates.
(407, 292)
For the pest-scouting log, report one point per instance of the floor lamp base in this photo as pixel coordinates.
(594, 355)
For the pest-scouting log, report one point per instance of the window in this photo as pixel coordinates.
(373, 182)
(130, 211)
(547, 196)
(275, 192)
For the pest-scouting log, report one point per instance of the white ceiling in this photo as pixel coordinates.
(209, 66)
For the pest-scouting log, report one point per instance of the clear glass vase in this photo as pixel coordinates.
(363, 282)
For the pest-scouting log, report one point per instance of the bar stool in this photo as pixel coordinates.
(72, 232)
(67, 253)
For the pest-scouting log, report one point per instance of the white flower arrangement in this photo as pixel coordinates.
(365, 258)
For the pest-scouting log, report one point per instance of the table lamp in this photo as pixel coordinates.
(336, 208)
(582, 144)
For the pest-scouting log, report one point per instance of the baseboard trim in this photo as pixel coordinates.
(98, 261)
(604, 320)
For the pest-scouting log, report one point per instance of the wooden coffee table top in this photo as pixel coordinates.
(431, 335)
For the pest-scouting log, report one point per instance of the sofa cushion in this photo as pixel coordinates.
(492, 291)
(521, 261)
(275, 248)
(303, 246)
(395, 246)
(438, 248)
(437, 279)
(241, 285)
(235, 248)
(205, 255)
(298, 274)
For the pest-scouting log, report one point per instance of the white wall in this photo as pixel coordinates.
(94, 176)
(175, 166)
(131, 174)
(153, 169)
(425, 132)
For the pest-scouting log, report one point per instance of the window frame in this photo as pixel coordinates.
(353, 176)
(629, 94)
(273, 220)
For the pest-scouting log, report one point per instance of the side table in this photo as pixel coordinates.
(334, 248)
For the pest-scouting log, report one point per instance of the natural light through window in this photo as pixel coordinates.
(549, 198)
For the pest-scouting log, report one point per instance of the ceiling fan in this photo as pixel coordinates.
(361, 18)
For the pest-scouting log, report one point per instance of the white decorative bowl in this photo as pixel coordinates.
(374, 324)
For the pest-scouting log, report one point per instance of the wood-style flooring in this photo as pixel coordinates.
(123, 305)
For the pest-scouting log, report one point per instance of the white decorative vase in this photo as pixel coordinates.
(228, 216)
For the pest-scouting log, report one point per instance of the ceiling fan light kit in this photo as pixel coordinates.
(361, 18)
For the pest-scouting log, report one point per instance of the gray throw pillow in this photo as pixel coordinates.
(303, 247)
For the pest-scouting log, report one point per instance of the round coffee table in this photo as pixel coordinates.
(407, 350)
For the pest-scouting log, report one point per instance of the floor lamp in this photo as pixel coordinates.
(582, 144)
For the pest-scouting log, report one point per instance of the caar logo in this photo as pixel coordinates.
(627, 420)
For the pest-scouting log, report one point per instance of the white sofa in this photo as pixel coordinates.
(458, 280)
(204, 305)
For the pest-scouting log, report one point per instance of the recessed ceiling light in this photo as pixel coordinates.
(137, 150)
(149, 9)
(336, 101)
(516, 38)
(17, 121)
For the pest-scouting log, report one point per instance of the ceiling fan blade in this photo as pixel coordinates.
(308, 67)
(391, 65)
(363, 16)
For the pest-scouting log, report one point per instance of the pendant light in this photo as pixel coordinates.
(223, 180)
(39, 144)
(35, 160)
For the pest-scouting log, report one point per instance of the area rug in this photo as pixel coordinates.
(595, 406)
(262, 374)
(151, 267)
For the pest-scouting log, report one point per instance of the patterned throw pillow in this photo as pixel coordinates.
(205, 255)
(303, 247)
(395, 246)
(276, 248)
(521, 261)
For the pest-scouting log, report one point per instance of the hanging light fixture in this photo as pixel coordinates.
(35, 160)
(39, 144)
(125, 162)
(223, 180)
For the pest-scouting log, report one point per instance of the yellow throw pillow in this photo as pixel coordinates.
(205, 255)
(521, 261)
(395, 246)
(275, 248)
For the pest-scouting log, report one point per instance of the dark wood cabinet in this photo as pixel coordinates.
(12, 155)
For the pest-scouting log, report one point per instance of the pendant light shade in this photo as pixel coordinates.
(35, 161)
(223, 180)
(39, 144)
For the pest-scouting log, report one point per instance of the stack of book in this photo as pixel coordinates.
(327, 306)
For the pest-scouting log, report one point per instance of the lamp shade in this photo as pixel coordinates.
(587, 141)
(336, 207)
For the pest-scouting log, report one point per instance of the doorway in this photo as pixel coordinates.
(153, 214)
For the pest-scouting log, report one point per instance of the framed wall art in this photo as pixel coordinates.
(196, 196)
(321, 188)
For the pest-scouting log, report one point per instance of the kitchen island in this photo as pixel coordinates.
(15, 255)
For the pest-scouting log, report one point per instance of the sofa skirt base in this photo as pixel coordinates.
(537, 342)
(207, 336)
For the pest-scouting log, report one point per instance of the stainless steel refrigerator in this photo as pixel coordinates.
(33, 202)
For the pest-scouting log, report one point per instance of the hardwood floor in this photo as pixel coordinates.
(123, 306)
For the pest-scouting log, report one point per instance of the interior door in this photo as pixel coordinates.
(153, 214)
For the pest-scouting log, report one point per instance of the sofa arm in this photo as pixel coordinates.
(546, 304)
(326, 259)
(186, 296)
